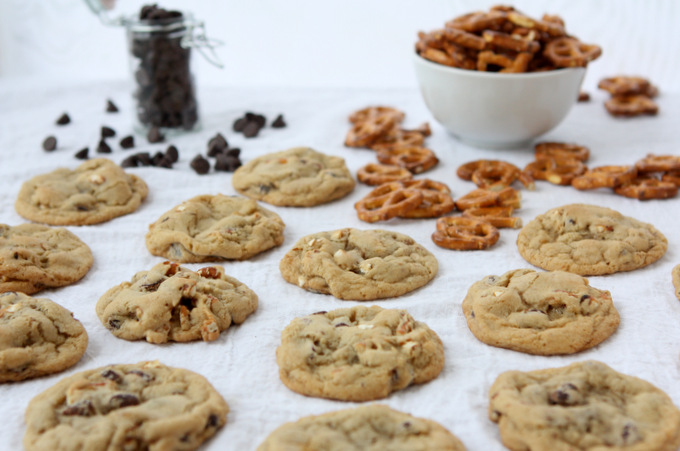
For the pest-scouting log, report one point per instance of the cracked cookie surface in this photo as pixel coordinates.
(675, 275)
(589, 240)
(34, 257)
(172, 303)
(211, 228)
(367, 428)
(358, 264)
(96, 191)
(125, 407)
(585, 406)
(357, 354)
(297, 177)
(37, 337)
(542, 313)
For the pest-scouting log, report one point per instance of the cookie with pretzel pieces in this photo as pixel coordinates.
(172, 303)
(359, 265)
(542, 313)
(589, 240)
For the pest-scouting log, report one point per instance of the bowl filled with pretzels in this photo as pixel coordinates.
(499, 79)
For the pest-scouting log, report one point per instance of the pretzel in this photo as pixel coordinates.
(387, 201)
(366, 132)
(633, 105)
(460, 233)
(464, 39)
(377, 174)
(558, 171)
(438, 56)
(643, 188)
(416, 159)
(508, 64)
(398, 137)
(493, 172)
(426, 184)
(570, 52)
(626, 85)
(658, 163)
(434, 204)
(561, 150)
(374, 111)
(509, 42)
(499, 217)
(605, 177)
(478, 21)
(508, 197)
(672, 177)
(552, 27)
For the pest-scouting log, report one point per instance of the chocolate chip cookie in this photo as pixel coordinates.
(372, 427)
(539, 313)
(96, 191)
(297, 177)
(210, 228)
(676, 280)
(34, 257)
(357, 354)
(37, 337)
(585, 406)
(172, 303)
(141, 406)
(590, 241)
(360, 265)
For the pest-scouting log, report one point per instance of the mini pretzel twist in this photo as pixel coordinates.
(493, 174)
(643, 188)
(625, 85)
(633, 105)
(570, 52)
(510, 42)
(658, 163)
(373, 112)
(551, 26)
(365, 133)
(377, 174)
(508, 197)
(499, 217)
(672, 177)
(605, 177)
(399, 138)
(517, 64)
(387, 201)
(558, 171)
(478, 21)
(437, 200)
(561, 150)
(464, 38)
(414, 158)
(460, 233)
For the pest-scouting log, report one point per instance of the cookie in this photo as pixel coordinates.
(211, 228)
(96, 191)
(37, 337)
(172, 303)
(589, 241)
(372, 427)
(543, 313)
(360, 265)
(125, 407)
(357, 354)
(297, 177)
(34, 257)
(585, 406)
(676, 280)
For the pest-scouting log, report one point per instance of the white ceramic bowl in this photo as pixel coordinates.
(494, 110)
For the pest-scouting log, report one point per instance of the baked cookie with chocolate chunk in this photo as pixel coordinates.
(211, 228)
(357, 354)
(676, 280)
(586, 406)
(37, 337)
(372, 427)
(34, 257)
(543, 313)
(141, 406)
(297, 177)
(172, 303)
(360, 265)
(590, 241)
(96, 191)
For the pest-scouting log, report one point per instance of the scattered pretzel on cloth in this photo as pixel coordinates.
(494, 175)
(464, 234)
(499, 217)
(505, 40)
(630, 96)
(377, 174)
(508, 197)
(556, 170)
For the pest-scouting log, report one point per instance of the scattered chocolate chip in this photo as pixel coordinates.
(82, 154)
(50, 143)
(259, 119)
(111, 107)
(172, 154)
(64, 119)
(128, 142)
(102, 147)
(218, 141)
(112, 375)
(123, 400)
(144, 158)
(164, 163)
(227, 163)
(240, 124)
(234, 152)
(82, 408)
(279, 122)
(157, 158)
(154, 135)
(214, 151)
(251, 130)
(200, 165)
(107, 132)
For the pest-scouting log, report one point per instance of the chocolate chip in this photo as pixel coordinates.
(259, 119)
(111, 107)
(152, 286)
(102, 147)
(128, 142)
(123, 400)
(50, 143)
(144, 158)
(164, 163)
(218, 143)
(240, 124)
(200, 165)
(82, 154)
(83, 409)
(234, 152)
(342, 325)
(112, 375)
(157, 158)
(172, 154)
(154, 135)
(264, 189)
(213, 421)
(64, 119)
(279, 122)
(564, 396)
(114, 323)
(472, 313)
(321, 312)
(107, 132)
(227, 163)
(585, 297)
(142, 374)
(251, 130)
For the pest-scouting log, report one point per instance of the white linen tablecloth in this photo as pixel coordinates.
(241, 363)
